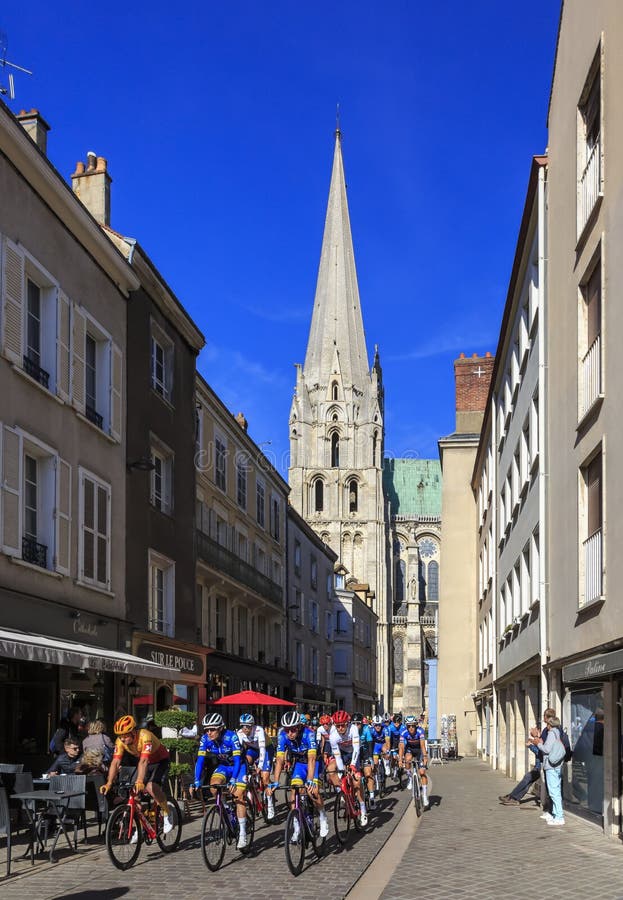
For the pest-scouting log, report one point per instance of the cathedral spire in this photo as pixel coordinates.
(337, 323)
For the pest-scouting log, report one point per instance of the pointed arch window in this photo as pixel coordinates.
(432, 581)
(374, 442)
(318, 495)
(399, 592)
(334, 391)
(353, 495)
(335, 450)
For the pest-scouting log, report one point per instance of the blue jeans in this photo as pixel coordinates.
(553, 777)
(529, 778)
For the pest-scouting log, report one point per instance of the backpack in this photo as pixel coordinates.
(557, 754)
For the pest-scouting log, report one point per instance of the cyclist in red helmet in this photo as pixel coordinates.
(346, 747)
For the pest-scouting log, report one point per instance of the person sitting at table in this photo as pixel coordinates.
(66, 762)
(91, 763)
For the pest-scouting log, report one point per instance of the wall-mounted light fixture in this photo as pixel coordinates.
(142, 464)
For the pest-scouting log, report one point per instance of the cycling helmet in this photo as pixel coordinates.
(213, 720)
(247, 719)
(326, 720)
(341, 717)
(125, 725)
(377, 720)
(357, 718)
(304, 719)
(397, 717)
(410, 720)
(290, 719)
(387, 718)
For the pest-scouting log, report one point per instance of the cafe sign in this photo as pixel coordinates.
(594, 669)
(191, 666)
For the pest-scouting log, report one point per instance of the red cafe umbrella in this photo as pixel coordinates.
(251, 698)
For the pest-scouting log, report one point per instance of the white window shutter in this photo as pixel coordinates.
(79, 336)
(11, 490)
(13, 287)
(116, 392)
(62, 556)
(63, 344)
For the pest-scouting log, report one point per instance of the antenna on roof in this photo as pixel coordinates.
(4, 64)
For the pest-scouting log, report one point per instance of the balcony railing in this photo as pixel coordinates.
(591, 371)
(589, 186)
(93, 416)
(593, 569)
(34, 553)
(399, 620)
(35, 371)
(227, 562)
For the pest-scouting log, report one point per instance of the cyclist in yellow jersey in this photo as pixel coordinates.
(134, 744)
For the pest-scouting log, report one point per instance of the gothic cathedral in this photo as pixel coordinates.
(339, 481)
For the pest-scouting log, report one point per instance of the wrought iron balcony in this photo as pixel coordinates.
(35, 371)
(223, 560)
(93, 416)
(34, 553)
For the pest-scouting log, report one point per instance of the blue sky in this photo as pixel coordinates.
(217, 121)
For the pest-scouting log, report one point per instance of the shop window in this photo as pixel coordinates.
(585, 785)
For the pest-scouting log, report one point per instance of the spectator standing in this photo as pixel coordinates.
(97, 739)
(69, 727)
(553, 771)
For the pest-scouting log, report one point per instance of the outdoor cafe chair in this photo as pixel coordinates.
(74, 812)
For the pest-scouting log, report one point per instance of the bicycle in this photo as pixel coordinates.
(416, 787)
(220, 827)
(395, 769)
(302, 828)
(256, 795)
(346, 809)
(140, 819)
(380, 778)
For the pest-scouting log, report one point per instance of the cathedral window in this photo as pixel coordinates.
(352, 495)
(399, 591)
(335, 450)
(318, 495)
(433, 581)
(374, 440)
(334, 391)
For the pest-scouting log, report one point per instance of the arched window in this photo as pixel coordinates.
(399, 593)
(432, 581)
(318, 495)
(353, 496)
(398, 660)
(334, 391)
(335, 450)
(374, 440)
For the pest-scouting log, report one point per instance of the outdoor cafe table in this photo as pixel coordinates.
(45, 799)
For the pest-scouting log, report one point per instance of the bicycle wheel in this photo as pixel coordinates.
(123, 841)
(417, 796)
(313, 823)
(170, 842)
(213, 838)
(341, 818)
(294, 837)
(250, 832)
(380, 779)
(401, 778)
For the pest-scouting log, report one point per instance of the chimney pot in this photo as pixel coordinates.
(35, 127)
(92, 186)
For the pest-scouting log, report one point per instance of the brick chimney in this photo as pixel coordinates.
(91, 183)
(472, 376)
(35, 127)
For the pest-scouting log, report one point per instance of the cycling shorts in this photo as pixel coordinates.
(254, 754)
(298, 776)
(378, 748)
(225, 773)
(347, 758)
(156, 772)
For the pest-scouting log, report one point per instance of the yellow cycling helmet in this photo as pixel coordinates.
(125, 725)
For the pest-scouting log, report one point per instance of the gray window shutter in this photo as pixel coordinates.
(12, 302)
(116, 392)
(63, 344)
(79, 334)
(11, 490)
(62, 557)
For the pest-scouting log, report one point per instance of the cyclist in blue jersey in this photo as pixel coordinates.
(222, 743)
(380, 739)
(394, 728)
(366, 742)
(300, 744)
(412, 746)
(258, 751)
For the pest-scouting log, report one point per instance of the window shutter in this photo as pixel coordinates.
(63, 341)
(78, 370)
(62, 558)
(116, 387)
(11, 484)
(12, 302)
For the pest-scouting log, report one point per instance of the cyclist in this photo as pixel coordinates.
(394, 728)
(380, 738)
(223, 743)
(134, 744)
(413, 746)
(367, 748)
(345, 749)
(252, 739)
(300, 743)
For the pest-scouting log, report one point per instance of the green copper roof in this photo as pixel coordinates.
(413, 486)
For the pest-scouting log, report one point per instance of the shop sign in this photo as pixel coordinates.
(595, 668)
(189, 664)
(85, 628)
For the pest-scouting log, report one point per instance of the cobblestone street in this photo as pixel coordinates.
(92, 876)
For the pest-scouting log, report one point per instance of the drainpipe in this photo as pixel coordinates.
(493, 514)
(543, 447)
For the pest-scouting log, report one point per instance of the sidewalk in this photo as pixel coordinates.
(468, 845)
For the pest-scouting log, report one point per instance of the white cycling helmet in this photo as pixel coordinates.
(247, 719)
(213, 720)
(411, 720)
(377, 720)
(290, 719)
